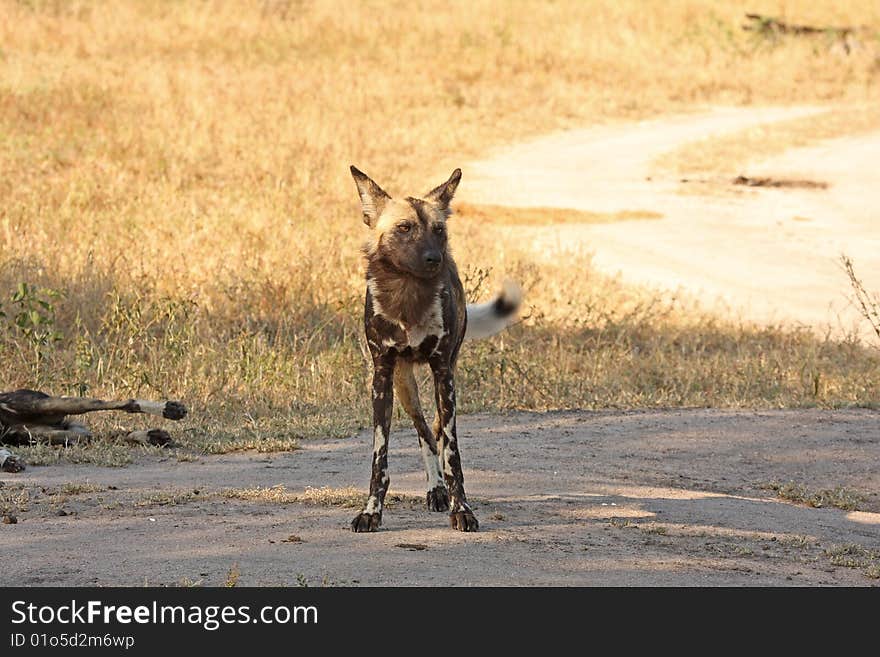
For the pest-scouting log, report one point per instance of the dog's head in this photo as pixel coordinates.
(410, 234)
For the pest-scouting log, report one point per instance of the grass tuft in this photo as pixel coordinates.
(838, 497)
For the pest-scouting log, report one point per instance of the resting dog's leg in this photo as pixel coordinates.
(66, 434)
(153, 437)
(460, 517)
(383, 401)
(30, 406)
(408, 393)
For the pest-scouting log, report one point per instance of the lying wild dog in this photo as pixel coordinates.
(415, 312)
(29, 416)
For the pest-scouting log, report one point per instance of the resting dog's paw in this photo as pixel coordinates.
(9, 462)
(464, 521)
(159, 438)
(174, 410)
(366, 522)
(438, 499)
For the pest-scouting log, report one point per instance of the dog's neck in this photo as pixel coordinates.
(401, 297)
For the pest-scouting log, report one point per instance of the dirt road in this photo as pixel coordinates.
(768, 255)
(634, 499)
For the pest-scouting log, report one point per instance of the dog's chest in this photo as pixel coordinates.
(419, 339)
(415, 336)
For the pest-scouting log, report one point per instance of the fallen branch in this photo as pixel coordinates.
(770, 25)
(778, 182)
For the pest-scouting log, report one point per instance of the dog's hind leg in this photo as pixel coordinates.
(460, 516)
(30, 406)
(383, 402)
(408, 393)
(65, 434)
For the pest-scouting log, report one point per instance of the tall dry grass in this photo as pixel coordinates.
(174, 193)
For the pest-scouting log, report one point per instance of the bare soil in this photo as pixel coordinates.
(664, 498)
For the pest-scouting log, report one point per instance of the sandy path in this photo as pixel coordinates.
(765, 254)
(655, 498)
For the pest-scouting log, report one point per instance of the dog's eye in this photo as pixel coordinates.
(439, 228)
(404, 228)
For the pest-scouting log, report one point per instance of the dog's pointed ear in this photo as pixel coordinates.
(373, 197)
(442, 195)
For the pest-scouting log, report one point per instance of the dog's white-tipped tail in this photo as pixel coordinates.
(485, 319)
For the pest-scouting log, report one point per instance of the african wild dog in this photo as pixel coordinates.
(415, 312)
(29, 416)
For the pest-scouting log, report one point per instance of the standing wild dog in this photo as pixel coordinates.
(415, 312)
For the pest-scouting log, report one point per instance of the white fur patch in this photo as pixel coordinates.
(151, 407)
(379, 439)
(431, 325)
(432, 467)
(447, 466)
(374, 295)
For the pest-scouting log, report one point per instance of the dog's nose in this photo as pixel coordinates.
(432, 258)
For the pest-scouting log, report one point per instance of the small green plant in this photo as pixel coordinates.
(31, 320)
(34, 314)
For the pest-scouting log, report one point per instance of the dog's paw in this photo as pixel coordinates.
(159, 438)
(10, 462)
(464, 521)
(438, 499)
(366, 522)
(174, 410)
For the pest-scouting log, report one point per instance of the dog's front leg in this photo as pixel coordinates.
(460, 515)
(383, 401)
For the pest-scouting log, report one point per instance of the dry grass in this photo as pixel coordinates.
(23, 498)
(174, 192)
(79, 488)
(99, 453)
(272, 495)
(853, 555)
(349, 498)
(14, 499)
(232, 576)
(167, 498)
(838, 497)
